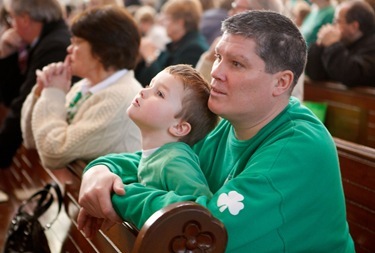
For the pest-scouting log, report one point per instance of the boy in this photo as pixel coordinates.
(172, 115)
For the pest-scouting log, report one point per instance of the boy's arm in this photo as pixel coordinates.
(123, 165)
(181, 179)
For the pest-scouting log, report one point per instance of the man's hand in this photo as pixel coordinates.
(88, 224)
(328, 35)
(10, 42)
(97, 186)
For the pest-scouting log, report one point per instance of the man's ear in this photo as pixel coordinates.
(180, 129)
(354, 27)
(284, 82)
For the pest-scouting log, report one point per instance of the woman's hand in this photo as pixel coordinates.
(56, 75)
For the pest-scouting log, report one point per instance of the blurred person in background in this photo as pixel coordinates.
(321, 13)
(181, 19)
(147, 21)
(38, 36)
(211, 20)
(345, 51)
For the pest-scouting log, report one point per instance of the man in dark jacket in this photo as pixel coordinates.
(38, 36)
(345, 52)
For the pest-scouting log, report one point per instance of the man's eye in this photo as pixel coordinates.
(236, 64)
(217, 57)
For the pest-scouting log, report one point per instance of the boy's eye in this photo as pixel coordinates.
(160, 94)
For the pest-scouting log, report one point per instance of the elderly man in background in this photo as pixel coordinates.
(345, 51)
(38, 36)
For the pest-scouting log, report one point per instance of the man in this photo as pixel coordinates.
(260, 161)
(38, 36)
(345, 52)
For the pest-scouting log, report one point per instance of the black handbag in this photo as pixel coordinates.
(25, 233)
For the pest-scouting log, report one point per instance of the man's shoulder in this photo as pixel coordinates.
(368, 40)
(195, 40)
(57, 34)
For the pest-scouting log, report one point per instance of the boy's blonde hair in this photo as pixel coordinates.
(194, 103)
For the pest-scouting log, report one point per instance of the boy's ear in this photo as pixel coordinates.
(180, 129)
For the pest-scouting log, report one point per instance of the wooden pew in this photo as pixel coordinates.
(184, 225)
(357, 164)
(350, 112)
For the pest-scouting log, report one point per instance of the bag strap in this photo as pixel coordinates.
(44, 202)
(59, 199)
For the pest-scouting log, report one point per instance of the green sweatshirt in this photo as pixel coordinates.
(280, 191)
(173, 167)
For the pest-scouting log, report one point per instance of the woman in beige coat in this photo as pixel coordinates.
(89, 119)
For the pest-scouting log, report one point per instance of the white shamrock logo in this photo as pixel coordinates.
(232, 201)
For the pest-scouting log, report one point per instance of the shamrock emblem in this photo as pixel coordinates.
(232, 201)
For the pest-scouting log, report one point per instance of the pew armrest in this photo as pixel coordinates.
(185, 227)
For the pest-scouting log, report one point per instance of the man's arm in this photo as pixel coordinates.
(103, 177)
(350, 68)
(314, 66)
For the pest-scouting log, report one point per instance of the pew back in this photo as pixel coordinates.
(350, 112)
(357, 164)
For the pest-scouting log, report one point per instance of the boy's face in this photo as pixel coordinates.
(156, 106)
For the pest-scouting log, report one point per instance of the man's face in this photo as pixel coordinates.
(347, 29)
(242, 91)
(20, 23)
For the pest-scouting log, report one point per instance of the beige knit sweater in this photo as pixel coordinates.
(99, 127)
